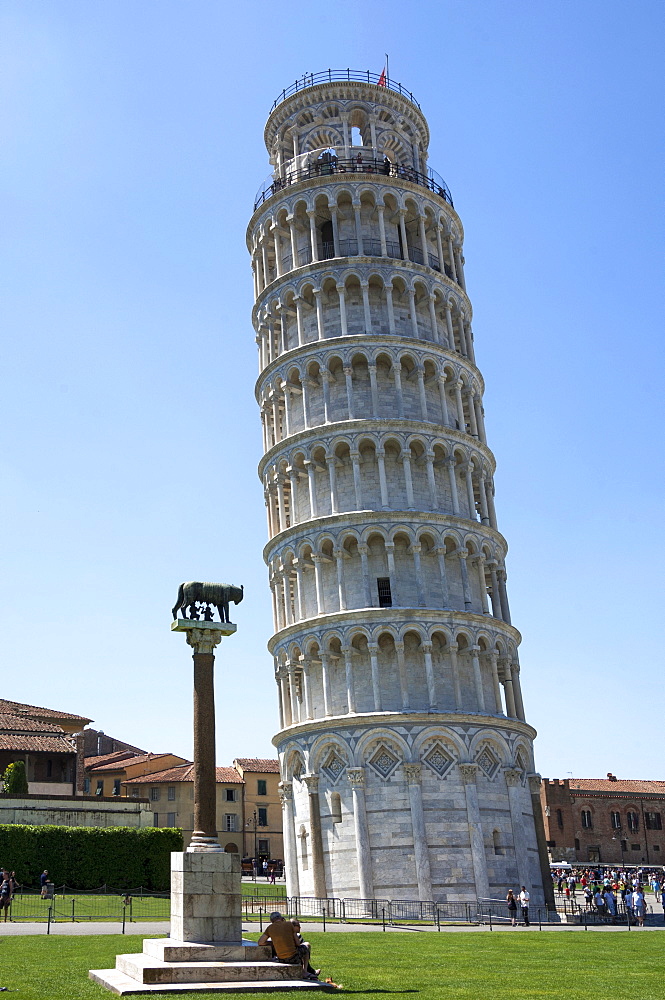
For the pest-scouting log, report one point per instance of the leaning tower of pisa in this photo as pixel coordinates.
(406, 761)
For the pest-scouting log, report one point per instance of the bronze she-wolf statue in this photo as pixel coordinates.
(217, 594)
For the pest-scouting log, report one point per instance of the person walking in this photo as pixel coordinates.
(524, 901)
(6, 893)
(43, 879)
(638, 905)
(512, 907)
(610, 904)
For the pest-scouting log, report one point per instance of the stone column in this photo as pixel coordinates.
(468, 471)
(356, 776)
(363, 551)
(364, 286)
(439, 250)
(342, 309)
(477, 678)
(382, 230)
(445, 597)
(514, 782)
(357, 480)
(494, 594)
(278, 250)
(391, 309)
(480, 565)
(420, 373)
(402, 229)
(420, 849)
(300, 591)
(429, 674)
(350, 688)
(479, 860)
(452, 475)
(335, 229)
(325, 681)
(376, 681)
(412, 311)
(339, 562)
(503, 596)
(374, 390)
(401, 669)
(312, 235)
(457, 690)
(472, 413)
(496, 685)
(311, 482)
(444, 400)
(462, 556)
(320, 328)
(508, 687)
(359, 231)
(203, 637)
(397, 376)
(390, 556)
(431, 480)
(449, 325)
(331, 462)
(318, 583)
(383, 485)
(548, 886)
(406, 465)
(318, 869)
(423, 239)
(417, 565)
(289, 828)
(348, 377)
(517, 690)
(432, 319)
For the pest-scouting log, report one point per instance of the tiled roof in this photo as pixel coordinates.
(185, 772)
(258, 764)
(610, 787)
(108, 758)
(23, 723)
(118, 763)
(17, 708)
(51, 744)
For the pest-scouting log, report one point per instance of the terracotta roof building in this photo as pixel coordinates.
(45, 740)
(606, 820)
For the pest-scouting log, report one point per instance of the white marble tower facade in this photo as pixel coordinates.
(407, 763)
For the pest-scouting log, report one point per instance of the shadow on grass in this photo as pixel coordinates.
(364, 993)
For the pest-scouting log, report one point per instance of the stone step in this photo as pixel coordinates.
(170, 950)
(122, 985)
(146, 969)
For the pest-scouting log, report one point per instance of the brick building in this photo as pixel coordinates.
(605, 820)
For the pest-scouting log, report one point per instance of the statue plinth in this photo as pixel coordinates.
(187, 624)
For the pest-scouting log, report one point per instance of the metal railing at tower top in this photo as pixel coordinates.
(354, 165)
(341, 76)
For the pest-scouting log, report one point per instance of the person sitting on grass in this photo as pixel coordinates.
(282, 934)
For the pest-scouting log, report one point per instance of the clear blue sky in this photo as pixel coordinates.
(131, 151)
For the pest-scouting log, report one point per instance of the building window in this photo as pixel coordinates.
(383, 587)
(264, 848)
(624, 845)
(230, 823)
(616, 820)
(86, 786)
(135, 792)
(171, 793)
(154, 794)
(263, 816)
(652, 821)
(587, 822)
(577, 843)
(261, 787)
(230, 794)
(633, 821)
(155, 819)
(100, 787)
(170, 819)
(49, 768)
(634, 847)
(656, 847)
(559, 819)
(116, 786)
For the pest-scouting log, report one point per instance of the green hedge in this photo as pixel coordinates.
(86, 857)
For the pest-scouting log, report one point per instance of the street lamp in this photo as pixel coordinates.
(249, 824)
(621, 847)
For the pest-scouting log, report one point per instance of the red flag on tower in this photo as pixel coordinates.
(382, 78)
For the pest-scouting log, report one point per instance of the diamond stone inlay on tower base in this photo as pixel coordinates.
(401, 716)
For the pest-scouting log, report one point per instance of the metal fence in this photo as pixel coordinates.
(67, 904)
(342, 75)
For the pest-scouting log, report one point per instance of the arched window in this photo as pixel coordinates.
(633, 822)
(587, 821)
(356, 137)
(336, 807)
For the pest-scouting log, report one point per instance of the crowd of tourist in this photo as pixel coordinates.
(611, 893)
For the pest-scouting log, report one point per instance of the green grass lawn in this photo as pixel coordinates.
(469, 966)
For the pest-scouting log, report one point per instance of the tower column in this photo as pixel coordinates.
(318, 869)
(478, 857)
(413, 774)
(356, 776)
(289, 828)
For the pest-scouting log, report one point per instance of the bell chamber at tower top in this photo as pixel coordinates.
(325, 126)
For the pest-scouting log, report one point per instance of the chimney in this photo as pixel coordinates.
(611, 777)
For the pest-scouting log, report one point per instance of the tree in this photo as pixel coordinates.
(14, 780)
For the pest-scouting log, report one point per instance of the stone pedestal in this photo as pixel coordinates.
(205, 897)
